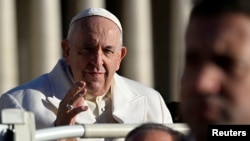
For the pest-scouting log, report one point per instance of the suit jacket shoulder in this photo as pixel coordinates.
(135, 86)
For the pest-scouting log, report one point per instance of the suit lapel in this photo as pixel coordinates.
(128, 106)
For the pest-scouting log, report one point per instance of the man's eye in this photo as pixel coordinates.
(85, 50)
(224, 62)
(108, 51)
(193, 60)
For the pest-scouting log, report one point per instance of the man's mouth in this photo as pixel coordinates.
(213, 110)
(95, 73)
(208, 111)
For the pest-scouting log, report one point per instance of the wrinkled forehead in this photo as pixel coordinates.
(94, 27)
(96, 22)
(228, 31)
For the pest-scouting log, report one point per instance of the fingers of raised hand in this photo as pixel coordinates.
(74, 96)
(75, 101)
(77, 88)
(77, 110)
(72, 104)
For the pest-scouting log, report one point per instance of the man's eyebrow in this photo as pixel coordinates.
(109, 47)
(86, 45)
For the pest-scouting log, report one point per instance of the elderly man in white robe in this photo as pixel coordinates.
(84, 86)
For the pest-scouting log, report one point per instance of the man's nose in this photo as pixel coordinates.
(97, 58)
(209, 80)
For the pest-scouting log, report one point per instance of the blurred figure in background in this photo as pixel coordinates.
(216, 80)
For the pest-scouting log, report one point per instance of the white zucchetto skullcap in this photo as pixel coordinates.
(97, 12)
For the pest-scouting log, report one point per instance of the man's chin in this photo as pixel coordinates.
(204, 118)
(211, 119)
(94, 89)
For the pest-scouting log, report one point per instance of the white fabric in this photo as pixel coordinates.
(132, 102)
(97, 12)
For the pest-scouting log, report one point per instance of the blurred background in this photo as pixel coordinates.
(31, 32)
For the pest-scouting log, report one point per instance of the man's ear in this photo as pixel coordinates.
(123, 52)
(65, 48)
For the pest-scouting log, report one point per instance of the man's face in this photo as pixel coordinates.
(94, 53)
(216, 79)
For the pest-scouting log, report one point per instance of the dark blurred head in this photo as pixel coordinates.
(153, 132)
(218, 7)
(216, 79)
